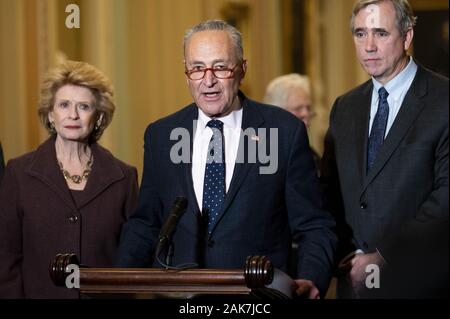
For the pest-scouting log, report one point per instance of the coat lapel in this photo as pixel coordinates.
(44, 167)
(410, 109)
(105, 171)
(251, 118)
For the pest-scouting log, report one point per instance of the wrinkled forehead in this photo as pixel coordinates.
(376, 16)
(210, 45)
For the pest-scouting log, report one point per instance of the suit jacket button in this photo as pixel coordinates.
(211, 243)
(363, 205)
(73, 219)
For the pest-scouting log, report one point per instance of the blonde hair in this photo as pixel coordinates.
(80, 74)
(278, 89)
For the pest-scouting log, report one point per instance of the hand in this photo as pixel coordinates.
(357, 274)
(306, 289)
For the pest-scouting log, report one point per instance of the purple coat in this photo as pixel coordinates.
(39, 219)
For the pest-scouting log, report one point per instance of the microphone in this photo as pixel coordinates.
(168, 229)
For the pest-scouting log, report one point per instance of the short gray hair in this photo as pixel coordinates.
(403, 12)
(218, 25)
(278, 89)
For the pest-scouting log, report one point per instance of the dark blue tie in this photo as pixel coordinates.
(378, 127)
(214, 183)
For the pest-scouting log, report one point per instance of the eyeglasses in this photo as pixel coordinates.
(219, 72)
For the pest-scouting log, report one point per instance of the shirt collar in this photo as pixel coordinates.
(231, 121)
(396, 85)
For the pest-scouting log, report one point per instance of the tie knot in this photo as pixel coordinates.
(215, 124)
(383, 94)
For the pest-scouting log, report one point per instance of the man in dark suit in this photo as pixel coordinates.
(385, 165)
(236, 206)
(2, 163)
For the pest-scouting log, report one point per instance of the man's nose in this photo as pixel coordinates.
(370, 43)
(209, 78)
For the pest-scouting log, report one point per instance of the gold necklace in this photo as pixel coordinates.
(77, 179)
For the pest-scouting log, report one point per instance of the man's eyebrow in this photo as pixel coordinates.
(370, 30)
(359, 30)
(380, 30)
(219, 61)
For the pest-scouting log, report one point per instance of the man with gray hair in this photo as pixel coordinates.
(292, 92)
(234, 210)
(385, 165)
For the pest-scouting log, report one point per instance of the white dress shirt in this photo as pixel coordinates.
(397, 89)
(231, 131)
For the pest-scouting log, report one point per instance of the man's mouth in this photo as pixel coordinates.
(211, 94)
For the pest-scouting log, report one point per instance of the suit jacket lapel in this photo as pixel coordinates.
(362, 114)
(410, 109)
(188, 123)
(251, 118)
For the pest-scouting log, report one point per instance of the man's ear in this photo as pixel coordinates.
(244, 70)
(185, 68)
(408, 38)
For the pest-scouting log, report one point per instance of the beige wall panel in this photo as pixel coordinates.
(13, 100)
(156, 85)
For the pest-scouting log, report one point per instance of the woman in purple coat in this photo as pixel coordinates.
(70, 195)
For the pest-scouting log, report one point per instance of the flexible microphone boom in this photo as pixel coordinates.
(168, 229)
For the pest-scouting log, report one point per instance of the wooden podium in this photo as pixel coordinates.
(259, 279)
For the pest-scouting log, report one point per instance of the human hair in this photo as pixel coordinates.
(218, 25)
(277, 91)
(405, 18)
(80, 74)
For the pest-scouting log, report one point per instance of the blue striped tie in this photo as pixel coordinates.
(214, 182)
(378, 127)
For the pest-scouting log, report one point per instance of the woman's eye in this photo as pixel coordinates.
(85, 107)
